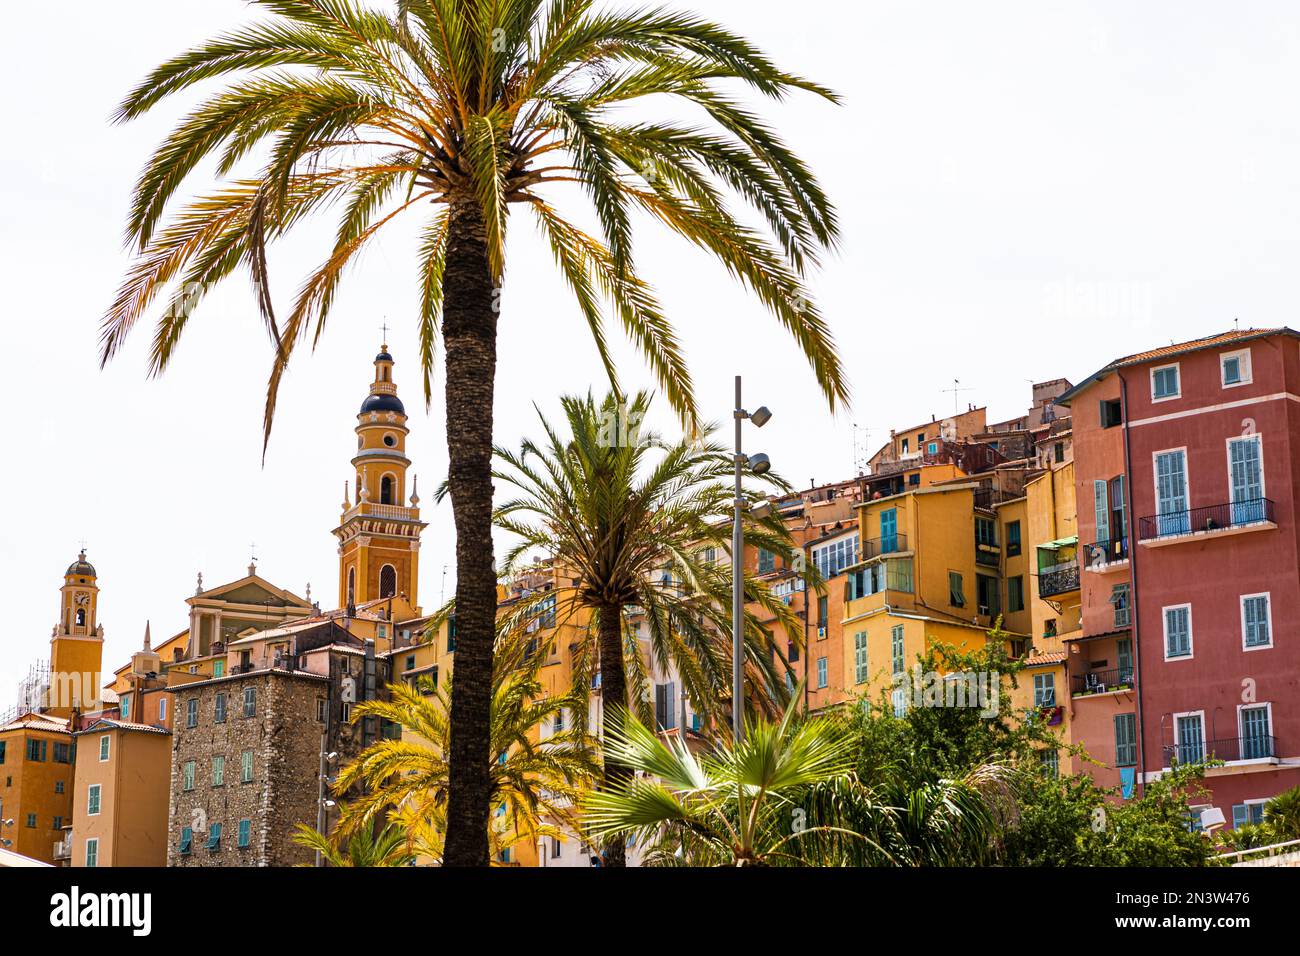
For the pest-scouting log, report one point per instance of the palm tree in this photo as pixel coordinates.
(364, 847)
(535, 781)
(456, 111)
(787, 795)
(1282, 814)
(634, 522)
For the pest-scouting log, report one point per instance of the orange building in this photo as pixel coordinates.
(36, 753)
(121, 817)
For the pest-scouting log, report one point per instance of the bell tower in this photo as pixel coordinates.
(379, 531)
(77, 645)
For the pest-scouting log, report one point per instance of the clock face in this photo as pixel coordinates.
(82, 599)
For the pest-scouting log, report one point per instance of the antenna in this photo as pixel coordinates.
(956, 390)
(861, 448)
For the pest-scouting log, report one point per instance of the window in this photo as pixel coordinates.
(1101, 510)
(1246, 479)
(766, 561)
(192, 712)
(933, 448)
(385, 498)
(555, 848)
(1013, 538)
(791, 651)
(1125, 740)
(214, 837)
(665, 706)
(62, 753)
(1058, 452)
(896, 648)
(1171, 492)
(1178, 631)
(1124, 658)
(124, 706)
(387, 581)
(1119, 600)
(162, 709)
(245, 833)
(451, 634)
(546, 611)
(187, 841)
(246, 767)
(2, 751)
(218, 771)
(1256, 732)
(410, 662)
(986, 532)
(58, 786)
(821, 673)
(1044, 690)
(833, 557)
(92, 852)
(92, 800)
(899, 700)
(1256, 621)
(1252, 811)
(1189, 732)
(860, 669)
(31, 821)
(250, 701)
(58, 823)
(956, 597)
(219, 668)
(1016, 593)
(187, 775)
(37, 750)
(1050, 760)
(1111, 413)
(889, 530)
(219, 709)
(1235, 368)
(103, 748)
(822, 609)
(1164, 383)
(322, 709)
(988, 595)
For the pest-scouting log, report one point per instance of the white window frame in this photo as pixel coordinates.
(1268, 601)
(844, 543)
(1243, 363)
(1258, 438)
(1038, 688)
(1178, 737)
(1191, 632)
(97, 791)
(1187, 479)
(105, 748)
(1241, 727)
(899, 700)
(861, 658)
(822, 673)
(92, 843)
(1253, 802)
(1168, 398)
(162, 707)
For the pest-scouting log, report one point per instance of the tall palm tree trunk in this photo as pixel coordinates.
(613, 697)
(469, 331)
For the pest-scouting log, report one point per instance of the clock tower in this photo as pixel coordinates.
(379, 530)
(77, 645)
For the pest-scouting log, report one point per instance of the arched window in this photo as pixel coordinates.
(387, 581)
(387, 490)
(81, 617)
(352, 585)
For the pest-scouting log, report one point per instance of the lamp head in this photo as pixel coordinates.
(761, 510)
(761, 416)
(760, 464)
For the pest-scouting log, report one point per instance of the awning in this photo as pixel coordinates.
(1060, 543)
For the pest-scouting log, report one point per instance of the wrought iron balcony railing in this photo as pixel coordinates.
(1101, 682)
(1101, 553)
(889, 544)
(1235, 514)
(1061, 579)
(1253, 747)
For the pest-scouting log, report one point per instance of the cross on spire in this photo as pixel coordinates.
(384, 329)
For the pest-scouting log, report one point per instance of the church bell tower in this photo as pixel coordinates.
(77, 644)
(379, 531)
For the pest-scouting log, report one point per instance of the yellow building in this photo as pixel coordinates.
(379, 534)
(928, 575)
(121, 817)
(36, 793)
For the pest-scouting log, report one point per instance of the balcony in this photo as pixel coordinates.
(369, 509)
(879, 547)
(1223, 519)
(1227, 749)
(63, 850)
(1101, 682)
(1100, 555)
(1059, 579)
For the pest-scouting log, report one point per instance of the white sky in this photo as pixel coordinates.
(1027, 189)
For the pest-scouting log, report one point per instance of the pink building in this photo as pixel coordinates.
(1186, 460)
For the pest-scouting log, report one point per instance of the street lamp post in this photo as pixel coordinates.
(323, 804)
(759, 464)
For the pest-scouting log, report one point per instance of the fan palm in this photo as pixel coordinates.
(457, 111)
(364, 847)
(536, 778)
(635, 522)
(787, 795)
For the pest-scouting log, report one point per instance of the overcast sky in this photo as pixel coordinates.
(1026, 189)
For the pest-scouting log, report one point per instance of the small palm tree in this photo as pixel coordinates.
(458, 112)
(637, 522)
(535, 783)
(1282, 814)
(364, 847)
(788, 795)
